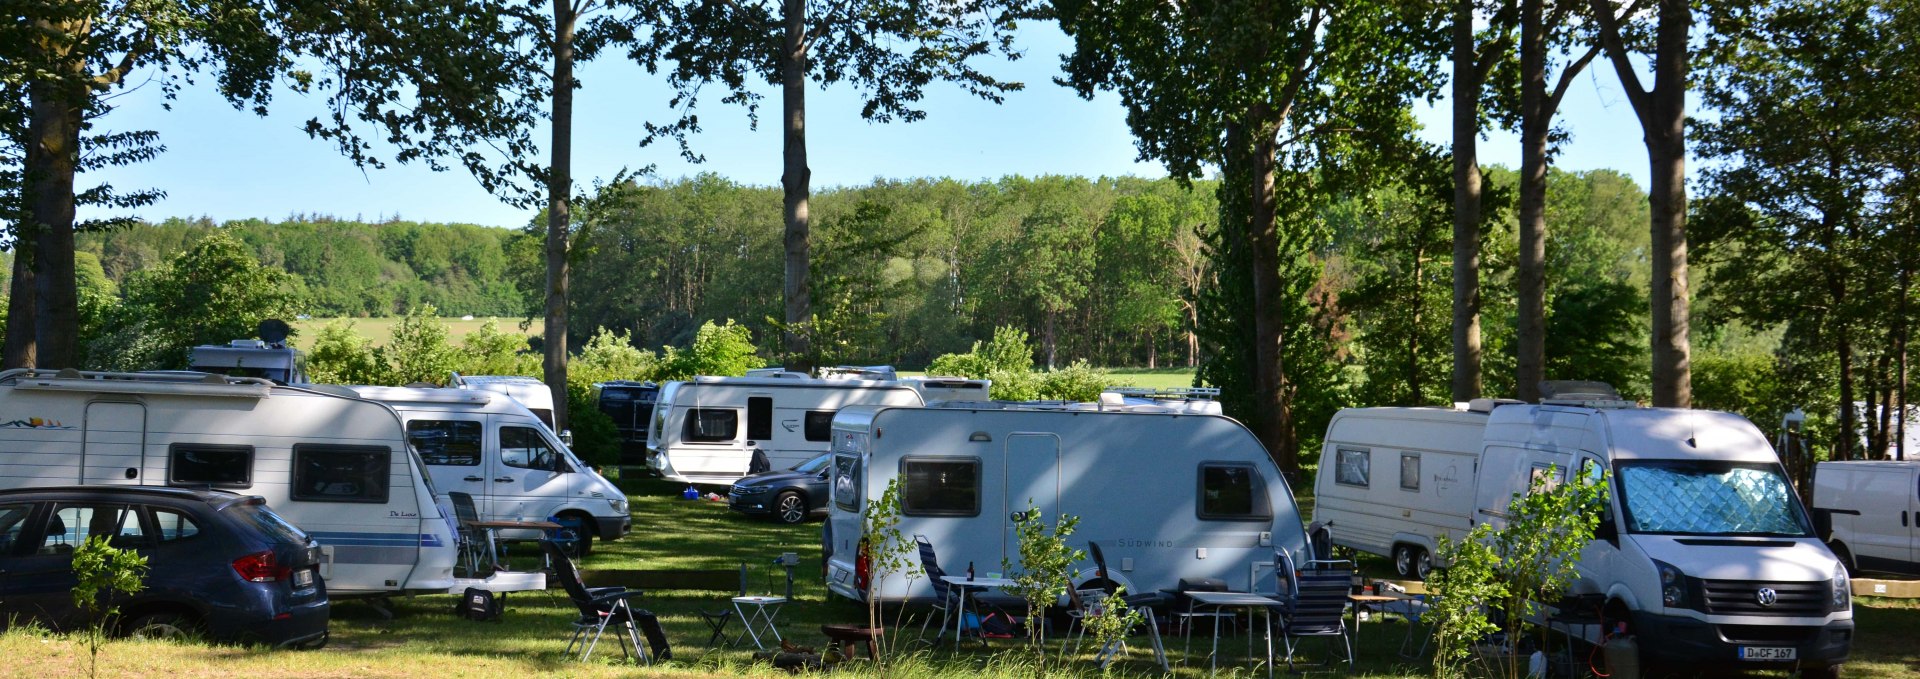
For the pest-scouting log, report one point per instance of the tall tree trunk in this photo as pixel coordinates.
(53, 153)
(1269, 375)
(559, 210)
(1466, 207)
(1418, 304)
(1900, 346)
(1849, 418)
(1665, 127)
(21, 343)
(1530, 346)
(796, 178)
(1153, 352)
(1049, 339)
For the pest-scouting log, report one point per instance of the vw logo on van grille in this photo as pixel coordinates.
(1766, 596)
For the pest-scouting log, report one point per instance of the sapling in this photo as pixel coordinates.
(886, 550)
(102, 570)
(1041, 577)
(1107, 621)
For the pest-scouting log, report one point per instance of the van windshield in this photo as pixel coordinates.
(1710, 498)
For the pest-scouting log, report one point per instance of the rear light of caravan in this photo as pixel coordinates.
(862, 568)
(260, 567)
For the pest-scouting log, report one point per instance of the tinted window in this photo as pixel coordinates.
(524, 448)
(329, 473)
(813, 465)
(259, 516)
(1410, 472)
(13, 521)
(708, 425)
(71, 525)
(1232, 491)
(1351, 467)
(846, 482)
(212, 465)
(939, 487)
(759, 418)
(819, 425)
(171, 525)
(446, 442)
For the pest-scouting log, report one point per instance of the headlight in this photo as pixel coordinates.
(619, 505)
(1842, 589)
(750, 490)
(1673, 585)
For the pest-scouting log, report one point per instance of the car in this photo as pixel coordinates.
(790, 496)
(219, 565)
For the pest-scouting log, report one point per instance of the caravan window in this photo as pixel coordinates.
(333, 473)
(759, 418)
(711, 425)
(819, 425)
(1352, 467)
(210, 465)
(1233, 491)
(846, 482)
(943, 486)
(1409, 471)
(522, 447)
(446, 442)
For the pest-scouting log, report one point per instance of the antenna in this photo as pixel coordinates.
(275, 331)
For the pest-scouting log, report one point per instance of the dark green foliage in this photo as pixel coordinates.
(213, 293)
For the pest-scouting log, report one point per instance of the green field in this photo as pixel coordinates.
(381, 329)
(424, 639)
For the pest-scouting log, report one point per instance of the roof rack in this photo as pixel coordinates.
(1168, 393)
(858, 372)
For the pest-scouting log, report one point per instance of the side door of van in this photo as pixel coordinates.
(1913, 520)
(529, 477)
(1883, 529)
(453, 447)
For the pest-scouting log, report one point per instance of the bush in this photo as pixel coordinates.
(1076, 382)
(1008, 362)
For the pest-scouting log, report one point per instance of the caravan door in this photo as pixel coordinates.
(1032, 480)
(114, 452)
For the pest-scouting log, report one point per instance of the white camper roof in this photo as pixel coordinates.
(177, 382)
(423, 395)
(1637, 433)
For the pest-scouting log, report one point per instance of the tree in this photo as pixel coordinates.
(213, 293)
(889, 50)
(1473, 61)
(340, 355)
(1662, 113)
(1288, 84)
(419, 350)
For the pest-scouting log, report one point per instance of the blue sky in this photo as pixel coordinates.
(228, 164)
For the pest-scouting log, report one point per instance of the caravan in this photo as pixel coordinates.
(1393, 481)
(339, 467)
(697, 434)
(1167, 494)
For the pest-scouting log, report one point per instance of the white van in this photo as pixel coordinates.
(492, 448)
(337, 466)
(1869, 513)
(1167, 495)
(530, 392)
(698, 437)
(1393, 481)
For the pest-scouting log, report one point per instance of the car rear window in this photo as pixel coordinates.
(173, 525)
(267, 521)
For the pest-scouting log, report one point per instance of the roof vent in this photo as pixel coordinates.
(1581, 393)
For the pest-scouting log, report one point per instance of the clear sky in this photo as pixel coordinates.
(228, 164)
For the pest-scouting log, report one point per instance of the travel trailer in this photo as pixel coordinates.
(1869, 513)
(492, 448)
(530, 392)
(1167, 495)
(337, 466)
(1704, 552)
(1426, 458)
(698, 436)
(630, 406)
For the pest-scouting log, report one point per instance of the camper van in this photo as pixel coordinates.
(715, 430)
(1704, 552)
(1167, 495)
(492, 448)
(530, 392)
(337, 466)
(1869, 513)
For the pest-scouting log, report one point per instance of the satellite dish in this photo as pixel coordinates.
(274, 331)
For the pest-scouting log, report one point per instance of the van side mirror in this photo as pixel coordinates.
(566, 438)
(1606, 530)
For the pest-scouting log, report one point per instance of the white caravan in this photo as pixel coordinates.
(1167, 495)
(1393, 481)
(492, 448)
(698, 434)
(338, 467)
(1869, 513)
(530, 392)
(1705, 553)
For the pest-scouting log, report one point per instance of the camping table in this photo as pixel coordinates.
(491, 527)
(765, 610)
(1225, 600)
(1359, 600)
(964, 583)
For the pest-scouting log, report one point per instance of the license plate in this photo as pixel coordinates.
(1767, 653)
(303, 579)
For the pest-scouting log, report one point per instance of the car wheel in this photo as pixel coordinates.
(1403, 560)
(1422, 564)
(790, 508)
(162, 626)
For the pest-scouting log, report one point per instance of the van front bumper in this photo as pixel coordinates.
(1673, 640)
(612, 527)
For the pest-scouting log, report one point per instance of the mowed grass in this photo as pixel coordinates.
(425, 639)
(380, 330)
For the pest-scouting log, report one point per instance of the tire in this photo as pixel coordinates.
(1403, 556)
(1828, 672)
(789, 508)
(1422, 564)
(163, 625)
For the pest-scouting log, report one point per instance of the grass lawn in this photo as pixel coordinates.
(424, 639)
(380, 330)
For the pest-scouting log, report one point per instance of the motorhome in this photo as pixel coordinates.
(1393, 481)
(338, 466)
(530, 392)
(1869, 513)
(1166, 494)
(715, 430)
(492, 448)
(1704, 552)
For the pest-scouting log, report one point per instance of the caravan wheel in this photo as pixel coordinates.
(1403, 560)
(1422, 564)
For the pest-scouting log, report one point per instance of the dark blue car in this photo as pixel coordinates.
(789, 496)
(219, 565)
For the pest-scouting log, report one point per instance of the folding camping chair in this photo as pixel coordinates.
(470, 538)
(1313, 602)
(947, 596)
(1084, 603)
(599, 607)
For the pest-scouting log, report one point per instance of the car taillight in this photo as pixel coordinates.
(260, 567)
(862, 569)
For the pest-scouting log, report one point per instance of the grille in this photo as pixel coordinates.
(1769, 634)
(1737, 597)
